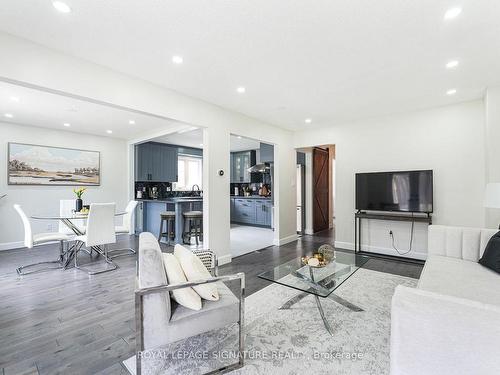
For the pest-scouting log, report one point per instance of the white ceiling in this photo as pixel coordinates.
(43, 109)
(330, 60)
(194, 138)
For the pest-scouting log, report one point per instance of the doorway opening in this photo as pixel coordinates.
(168, 183)
(315, 189)
(251, 195)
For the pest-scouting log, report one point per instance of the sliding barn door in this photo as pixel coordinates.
(321, 193)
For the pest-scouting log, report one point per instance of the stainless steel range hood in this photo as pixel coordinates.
(260, 168)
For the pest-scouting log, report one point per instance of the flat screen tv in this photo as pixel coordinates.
(407, 191)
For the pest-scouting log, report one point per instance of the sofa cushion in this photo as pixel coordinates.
(460, 278)
(491, 256)
(185, 296)
(156, 307)
(195, 270)
(213, 315)
(458, 242)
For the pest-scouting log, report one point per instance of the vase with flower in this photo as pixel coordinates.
(79, 202)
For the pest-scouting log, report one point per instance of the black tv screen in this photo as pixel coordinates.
(409, 191)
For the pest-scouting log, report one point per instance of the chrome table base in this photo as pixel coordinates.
(292, 301)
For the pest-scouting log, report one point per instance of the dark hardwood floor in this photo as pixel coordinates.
(66, 322)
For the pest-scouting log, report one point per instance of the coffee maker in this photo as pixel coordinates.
(153, 192)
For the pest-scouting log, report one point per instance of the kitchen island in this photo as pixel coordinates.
(152, 208)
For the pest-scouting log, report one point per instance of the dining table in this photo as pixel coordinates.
(70, 220)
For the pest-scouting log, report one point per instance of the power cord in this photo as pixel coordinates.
(411, 239)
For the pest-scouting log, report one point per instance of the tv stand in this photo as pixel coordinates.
(359, 215)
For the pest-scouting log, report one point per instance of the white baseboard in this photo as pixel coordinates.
(11, 245)
(20, 244)
(309, 231)
(285, 240)
(381, 250)
(225, 259)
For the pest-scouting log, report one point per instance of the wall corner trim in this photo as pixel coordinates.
(285, 240)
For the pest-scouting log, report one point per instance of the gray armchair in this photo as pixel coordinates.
(160, 322)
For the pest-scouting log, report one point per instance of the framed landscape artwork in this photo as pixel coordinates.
(46, 165)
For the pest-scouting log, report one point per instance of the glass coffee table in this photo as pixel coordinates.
(320, 282)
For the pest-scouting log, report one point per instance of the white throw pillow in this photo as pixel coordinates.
(195, 270)
(186, 297)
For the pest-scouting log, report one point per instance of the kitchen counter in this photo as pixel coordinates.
(173, 200)
(250, 197)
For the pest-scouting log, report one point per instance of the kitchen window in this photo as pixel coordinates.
(190, 169)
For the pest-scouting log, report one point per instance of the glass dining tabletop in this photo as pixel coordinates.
(318, 281)
(69, 216)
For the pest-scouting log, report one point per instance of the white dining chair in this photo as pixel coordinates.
(125, 228)
(100, 232)
(31, 240)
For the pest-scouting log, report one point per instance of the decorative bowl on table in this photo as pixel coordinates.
(323, 256)
(83, 212)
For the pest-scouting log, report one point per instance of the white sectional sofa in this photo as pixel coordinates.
(450, 323)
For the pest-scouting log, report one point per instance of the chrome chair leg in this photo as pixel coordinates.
(60, 261)
(126, 251)
(102, 251)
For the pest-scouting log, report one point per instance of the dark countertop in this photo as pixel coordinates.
(250, 197)
(173, 200)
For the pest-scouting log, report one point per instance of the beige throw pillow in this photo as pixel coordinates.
(195, 270)
(186, 297)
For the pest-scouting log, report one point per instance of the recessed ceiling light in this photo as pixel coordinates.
(452, 13)
(452, 64)
(61, 7)
(9, 115)
(241, 90)
(131, 122)
(239, 137)
(109, 131)
(308, 120)
(67, 124)
(177, 59)
(451, 92)
(14, 99)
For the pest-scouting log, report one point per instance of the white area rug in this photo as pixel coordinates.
(245, 239)
(295, 341)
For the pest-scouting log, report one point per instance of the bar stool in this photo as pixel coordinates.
(193, 220)
(169, 218)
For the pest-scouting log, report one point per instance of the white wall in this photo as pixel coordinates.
(492, 108)
(45, 199)
(449, 140)
(31, 63)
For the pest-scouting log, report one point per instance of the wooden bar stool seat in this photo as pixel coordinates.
(193, 221)
(167, 217)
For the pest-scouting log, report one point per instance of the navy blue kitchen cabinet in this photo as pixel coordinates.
(263, 212)
(240, 162)
(244, 210)
(143, 162)
(156, 162)
(266, 153)
(251, 211)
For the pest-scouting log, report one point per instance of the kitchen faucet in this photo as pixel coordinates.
(197, 187)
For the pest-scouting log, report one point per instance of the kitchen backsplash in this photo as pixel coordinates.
(164, 190)
(254, 188)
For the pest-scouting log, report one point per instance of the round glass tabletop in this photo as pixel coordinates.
(71, 216)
